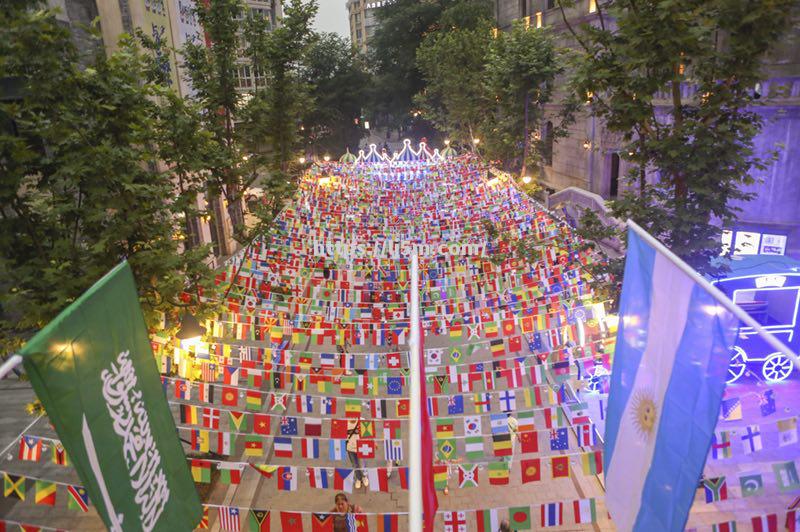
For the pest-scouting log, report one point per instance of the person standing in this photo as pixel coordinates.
(352, 452)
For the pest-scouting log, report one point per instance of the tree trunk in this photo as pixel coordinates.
(524, 169)
(679, 179)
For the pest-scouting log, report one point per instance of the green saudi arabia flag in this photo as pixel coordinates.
(96, 376)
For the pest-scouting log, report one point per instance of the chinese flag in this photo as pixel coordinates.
(529, 441)
(339, 429)
(531, 470)
(515, 344)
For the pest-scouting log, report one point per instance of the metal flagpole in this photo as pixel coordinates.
(9, 365)
(415, 415)
(716, 293)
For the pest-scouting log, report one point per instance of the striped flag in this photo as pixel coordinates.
(486, 520)
(584, 511)
(229, 518)
(552, 514)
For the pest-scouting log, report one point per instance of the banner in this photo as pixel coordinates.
(93, 369)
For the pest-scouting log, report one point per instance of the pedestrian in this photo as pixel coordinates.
(341, 508)
(504, 526)
(352, 452)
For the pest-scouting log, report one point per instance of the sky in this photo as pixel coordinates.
(332, 17)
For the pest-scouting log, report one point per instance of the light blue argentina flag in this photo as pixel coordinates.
(673, 347)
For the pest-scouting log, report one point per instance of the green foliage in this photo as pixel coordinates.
(453, 63)
(82, 185)
(521, 67)
(340, 84)
(691, 150)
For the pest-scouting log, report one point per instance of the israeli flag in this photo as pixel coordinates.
(673, 347)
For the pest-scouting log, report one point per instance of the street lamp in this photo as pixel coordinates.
(446, 142)
(327, 158)
(476, 141)
(526, 179)
(190, 330)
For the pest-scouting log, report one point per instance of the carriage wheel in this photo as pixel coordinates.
(599, 373)
(737, 366)
(776, 367)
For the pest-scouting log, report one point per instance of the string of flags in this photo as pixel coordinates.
(552, 514)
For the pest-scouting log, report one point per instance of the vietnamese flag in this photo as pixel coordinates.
(261, 424)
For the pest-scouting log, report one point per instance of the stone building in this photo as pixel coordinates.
(589, 157)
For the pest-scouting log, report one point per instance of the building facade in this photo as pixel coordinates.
(589, 156)
(363, 21)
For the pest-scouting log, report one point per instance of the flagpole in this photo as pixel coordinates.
(9, 365)
(415, 414)
(716, 293)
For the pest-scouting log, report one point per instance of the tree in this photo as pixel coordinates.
(453, 62)
(521, 68)
(82, 186)
(340, 84)
(675, 79)
(212, 71)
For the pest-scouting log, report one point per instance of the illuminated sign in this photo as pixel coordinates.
(746, 243)
(773, 244)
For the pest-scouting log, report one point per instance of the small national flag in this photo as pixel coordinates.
(60, 454)
(531, 470)
(253, 400)
(203, 524)
(230, 473)
(287, 478)
(787, 431)
(560, 466)
(30, 448)
(393, 450)
(318, 477)
(716, 489)
(309, 447)
(229, 518)
(258, 520)
(282, 447)
(721, 445)
(487, 520)
(388, 523)
(467, 476)
(291, 522)
(440, 477)
(455, 521)
(728, 526)
(752, 484)
(45, 493)
(201, 470)
(520, 517)
(765, 523)
(366, 449)
(498, 473)
(337, 450)
(254, 446)
(78, 498)
(237, 421)
(261, 424)
(559, 440)
(751, 439)
(786, 476)
(592, 463)
(473, 447)
(731, 409)
(584, 511)
(552, 514)
(321, 522)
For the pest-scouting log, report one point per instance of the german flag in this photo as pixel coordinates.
(189, 415)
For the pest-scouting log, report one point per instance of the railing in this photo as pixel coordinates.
(573, 200)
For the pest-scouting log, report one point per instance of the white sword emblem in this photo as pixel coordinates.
(114, 517)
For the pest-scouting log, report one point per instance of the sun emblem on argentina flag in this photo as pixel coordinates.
(644, 413)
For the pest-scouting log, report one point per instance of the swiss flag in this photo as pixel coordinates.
(366, 449)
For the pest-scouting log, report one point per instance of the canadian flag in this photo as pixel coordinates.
(378, 479)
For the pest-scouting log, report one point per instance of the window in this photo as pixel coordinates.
(550, 4)
(523, 8)
(613, 185)
(243, 80)
(259, 77)
(538, 19)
